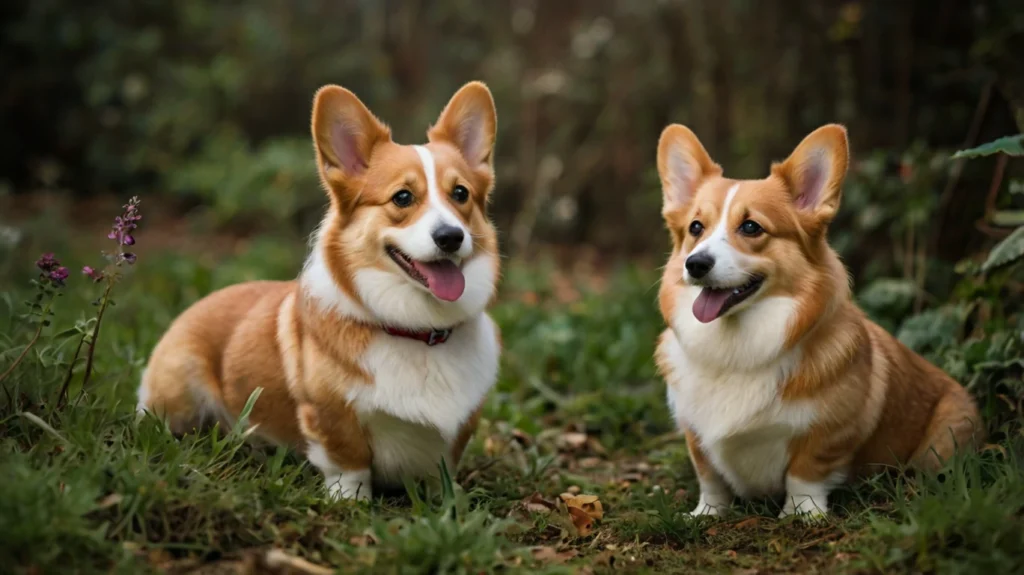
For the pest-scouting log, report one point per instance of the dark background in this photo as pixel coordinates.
(203, 107)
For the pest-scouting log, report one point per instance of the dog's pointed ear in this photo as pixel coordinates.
(814, 172)
(345, 134)
(682, 164)
(470, 123)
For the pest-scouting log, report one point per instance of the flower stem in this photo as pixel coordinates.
(35, 338)
(62, 396)
(96, 334)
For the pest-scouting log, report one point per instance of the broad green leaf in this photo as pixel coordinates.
(1009, 145)
(1007, 251)
(1008, 218)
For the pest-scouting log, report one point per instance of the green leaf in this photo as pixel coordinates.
(1009, 145)
(239, 429)
(1008, 218)
(1006, 252)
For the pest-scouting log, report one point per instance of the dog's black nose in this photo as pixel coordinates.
(699, 265)
(449, 238)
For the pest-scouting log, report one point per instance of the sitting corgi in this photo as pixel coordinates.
(779, 382)
(376, 361)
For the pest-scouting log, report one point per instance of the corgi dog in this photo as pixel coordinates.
(376, 361)
(778, 381)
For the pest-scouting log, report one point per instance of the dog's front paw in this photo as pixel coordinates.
(708, 508)
(805, 508)
(350, 485)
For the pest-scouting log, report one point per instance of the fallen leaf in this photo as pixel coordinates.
(492, 446)
(551, 555)
(712, 531)
(605, 558)
(278, 559)
(594, 445)
(588, 503)
(584, 523)
(522, 437)
(365, 540)
(572, 440)
(730, 554)
(746, 523)
(537, 504)
(110, 501)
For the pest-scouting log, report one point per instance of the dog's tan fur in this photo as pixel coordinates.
(308, 354)
(856, 397)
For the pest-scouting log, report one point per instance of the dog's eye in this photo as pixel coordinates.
(696, 228)
(460, 194)
(402, 198)
(751, 228)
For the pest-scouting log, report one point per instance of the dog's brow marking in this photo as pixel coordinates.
(721, 230)
(430, 169)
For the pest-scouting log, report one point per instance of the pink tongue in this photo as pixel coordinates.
(709, 304)
(444, 278)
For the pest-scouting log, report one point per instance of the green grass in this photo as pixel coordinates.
(91, 488)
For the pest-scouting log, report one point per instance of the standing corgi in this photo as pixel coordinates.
(779, 382)
(376, 361)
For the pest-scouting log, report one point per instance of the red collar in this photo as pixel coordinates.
(430, 337)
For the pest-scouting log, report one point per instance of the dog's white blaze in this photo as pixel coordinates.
(730, 264)
(720, 235)
(440, 212)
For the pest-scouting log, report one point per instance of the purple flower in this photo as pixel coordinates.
(128, 257)
(94, 274)
(124, 224)
(58, 275)
(47, 262)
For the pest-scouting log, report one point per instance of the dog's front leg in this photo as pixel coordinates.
(337, 446)
(715, 495)
(816, 467)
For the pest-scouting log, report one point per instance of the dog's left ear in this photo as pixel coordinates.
(814, 172)
(469, 121)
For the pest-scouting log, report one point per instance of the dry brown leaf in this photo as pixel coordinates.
(583, 522)
(746, 523)
(594, 445)
(551, 555)
(364, 540)
(572, 440)
(730, 554)
(588, 503)
(711, 532)
(278, 559)
(537, 504)
(109, 501)
(522, 437)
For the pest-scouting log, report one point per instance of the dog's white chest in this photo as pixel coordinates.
(421, 396)
(744, 427)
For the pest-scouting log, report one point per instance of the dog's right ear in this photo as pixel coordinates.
(345, 134)
(682, 164)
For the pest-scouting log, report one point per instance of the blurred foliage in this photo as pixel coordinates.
(208, 103)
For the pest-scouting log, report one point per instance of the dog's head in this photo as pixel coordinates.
(737, 242)
(406, 241)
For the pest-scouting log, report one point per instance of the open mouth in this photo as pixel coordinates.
(713, 303)
(442, 277)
